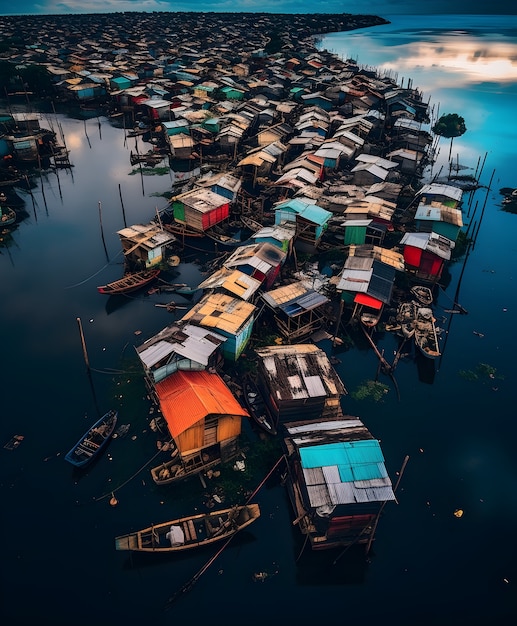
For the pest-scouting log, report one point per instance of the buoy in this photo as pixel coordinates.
(113, 500)
(458, 513)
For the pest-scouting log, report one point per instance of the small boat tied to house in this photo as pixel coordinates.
(406, 317)
(257, 407)
(178, 468)
(426, 338)
(422, 294)
(189, 532)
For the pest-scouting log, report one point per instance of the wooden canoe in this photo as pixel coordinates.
(257, 407)
(7, 216)
(189, 532)
(422, 294)
(129, 282)
(93, 441)
(406, 317)
(426, 338)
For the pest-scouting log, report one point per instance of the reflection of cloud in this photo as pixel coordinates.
(74, 140)
(472, 62)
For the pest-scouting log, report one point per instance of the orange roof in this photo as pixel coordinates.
(188, 397)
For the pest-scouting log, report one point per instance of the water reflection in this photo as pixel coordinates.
(465, 56)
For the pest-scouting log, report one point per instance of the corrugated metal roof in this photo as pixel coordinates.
(437, 244)
(438, 212)
(437, 189)
(315, 214)
(322, 427)
(287, 368)
(224, 312)
(355, 280)
(351, 471)
(190, 341)
(188, 397)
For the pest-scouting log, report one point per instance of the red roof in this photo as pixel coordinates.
(366, 300)
(188, 397)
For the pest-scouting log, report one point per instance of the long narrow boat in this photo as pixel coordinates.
(257, 407)
(93, 441)
(129, 282)
(190, 532)
(426, 338)
(179, 469)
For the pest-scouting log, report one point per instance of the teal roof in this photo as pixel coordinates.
(311, 212)
(356, 460)
(315, 214)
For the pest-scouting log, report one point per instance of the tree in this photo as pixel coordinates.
(450, 125)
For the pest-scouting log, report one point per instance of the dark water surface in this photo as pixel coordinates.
(457, 424)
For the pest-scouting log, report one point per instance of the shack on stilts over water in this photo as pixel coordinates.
(337, 480)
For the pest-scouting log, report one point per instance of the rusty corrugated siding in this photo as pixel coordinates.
(189, 397)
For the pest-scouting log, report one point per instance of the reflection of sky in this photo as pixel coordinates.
(470, 70)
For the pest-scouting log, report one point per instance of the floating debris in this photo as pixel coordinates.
(14, 442)
(121, 431)
(260, 577)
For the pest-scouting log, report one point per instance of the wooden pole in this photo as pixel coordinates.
(338, 321)
(370, 540)
(188, 586)
(83, 343)
(102, 231)
(122, 203)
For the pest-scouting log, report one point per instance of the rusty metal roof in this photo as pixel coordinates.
(188, 397)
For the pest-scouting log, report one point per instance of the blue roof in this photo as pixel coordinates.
(356, 460)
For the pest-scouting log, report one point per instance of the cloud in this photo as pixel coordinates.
(374, 7)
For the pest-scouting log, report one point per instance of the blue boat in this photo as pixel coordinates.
(93, 441)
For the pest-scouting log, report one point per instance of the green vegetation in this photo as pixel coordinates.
(150, 171)
(450, 125)
(483, 373)
(370, 390)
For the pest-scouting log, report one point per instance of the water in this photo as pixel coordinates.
(428, 567)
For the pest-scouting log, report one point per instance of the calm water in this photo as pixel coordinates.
(428, 567)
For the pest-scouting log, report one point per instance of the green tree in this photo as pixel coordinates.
(450, 125)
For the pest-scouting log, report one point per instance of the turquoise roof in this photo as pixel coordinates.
(356, 460)
(315, 214)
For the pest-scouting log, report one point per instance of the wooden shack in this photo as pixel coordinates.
(299, 380)
(337, 481)
(200, 411)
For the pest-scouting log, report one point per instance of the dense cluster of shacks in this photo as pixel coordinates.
(309, 154)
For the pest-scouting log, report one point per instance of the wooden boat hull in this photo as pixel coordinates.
(7, 216)
(406, 317)
(257, 407)
(177, 470)
(190, 532)
(91, 444)
(129, 283)
(422, 294)
(426, 338)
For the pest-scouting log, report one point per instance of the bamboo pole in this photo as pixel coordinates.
(83, 343)
(374, 528)
(122, 203)
(102, 230)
